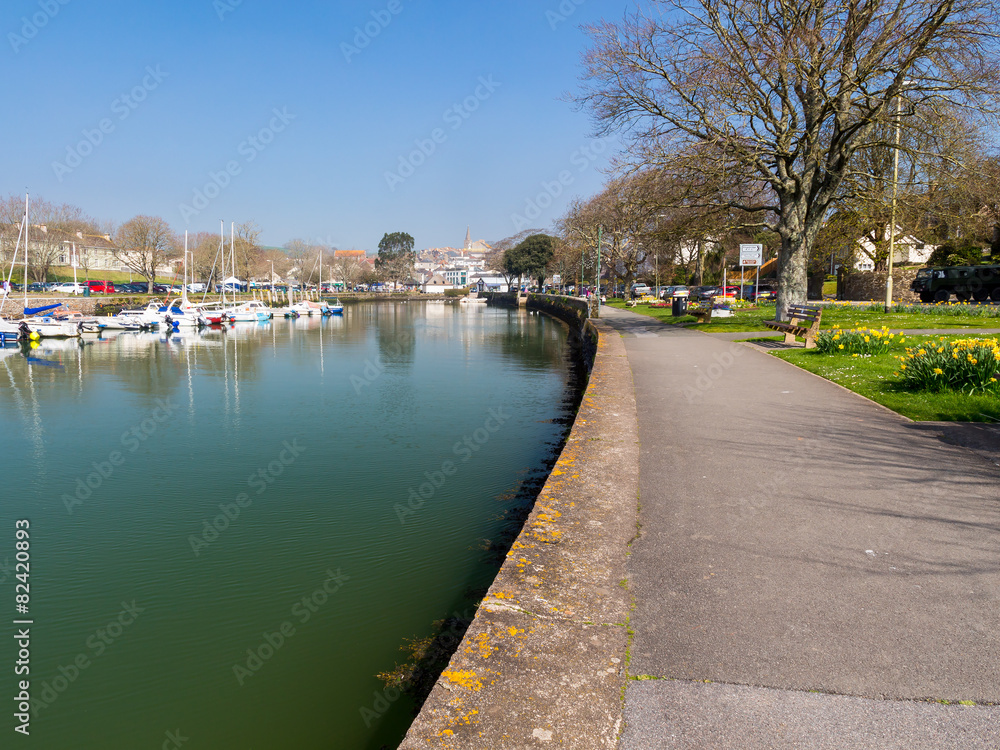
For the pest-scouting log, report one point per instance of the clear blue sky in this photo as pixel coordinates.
(322, 176)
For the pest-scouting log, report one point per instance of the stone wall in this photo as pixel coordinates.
(544, 662)
(870, 285)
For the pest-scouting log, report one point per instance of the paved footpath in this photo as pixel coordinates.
(812, 570)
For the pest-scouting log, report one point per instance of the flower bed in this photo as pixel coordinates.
(859, 342)
(967, 365)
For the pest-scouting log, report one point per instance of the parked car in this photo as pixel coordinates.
(68, 288)
(36, 287)
(674, 291)
(196, 287)
(101, 287)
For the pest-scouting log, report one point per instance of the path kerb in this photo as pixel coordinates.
(544, 661)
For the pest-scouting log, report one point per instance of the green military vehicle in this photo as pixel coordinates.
(938, 284)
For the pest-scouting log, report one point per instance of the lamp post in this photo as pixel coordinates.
(600, 234)
(72, 259)
(892, 209)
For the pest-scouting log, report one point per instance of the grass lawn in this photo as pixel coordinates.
(843, 316)
(873, 378)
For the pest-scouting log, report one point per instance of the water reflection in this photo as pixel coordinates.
(378, 399)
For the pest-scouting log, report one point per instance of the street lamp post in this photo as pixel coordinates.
(892, 209)
(600, 234)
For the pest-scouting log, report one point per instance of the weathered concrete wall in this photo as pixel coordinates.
(543, 663)
(870, 285)
(573, 311)
(501, 299)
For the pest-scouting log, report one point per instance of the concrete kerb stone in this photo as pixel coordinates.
(544, 660)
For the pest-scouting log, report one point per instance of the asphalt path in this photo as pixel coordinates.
(812, 570)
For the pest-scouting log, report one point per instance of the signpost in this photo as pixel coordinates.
(751, 255)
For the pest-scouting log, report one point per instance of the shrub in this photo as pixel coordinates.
(859, 341)
(967, 365)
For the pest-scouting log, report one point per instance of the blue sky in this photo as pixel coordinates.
(439, 115)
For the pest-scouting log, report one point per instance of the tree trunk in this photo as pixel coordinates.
(792, 259)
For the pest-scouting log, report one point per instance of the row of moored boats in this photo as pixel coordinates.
(175, 314)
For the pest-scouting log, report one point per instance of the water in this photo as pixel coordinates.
(301, 441)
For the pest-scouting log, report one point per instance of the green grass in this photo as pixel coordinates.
(873, 377)
(843, 316)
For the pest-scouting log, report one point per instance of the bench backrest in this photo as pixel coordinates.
(804, 313)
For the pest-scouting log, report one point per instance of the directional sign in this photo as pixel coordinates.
(751, 255)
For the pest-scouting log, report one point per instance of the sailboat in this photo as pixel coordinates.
(29, 326)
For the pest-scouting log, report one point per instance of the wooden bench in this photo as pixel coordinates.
(703, 314)
(803, 320)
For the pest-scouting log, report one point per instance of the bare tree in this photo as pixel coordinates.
(143, 244)
(783, 94)
(248, 252)
(494, 258)
(348, 271)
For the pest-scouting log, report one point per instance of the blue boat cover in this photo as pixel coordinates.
(33, 310)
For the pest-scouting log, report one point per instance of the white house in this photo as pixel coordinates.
(907, 249)
(489, 281)
(436, 284)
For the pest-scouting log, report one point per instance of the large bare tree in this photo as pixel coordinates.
(143, 244)
(781, 95)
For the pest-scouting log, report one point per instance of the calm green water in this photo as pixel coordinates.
(311, 435)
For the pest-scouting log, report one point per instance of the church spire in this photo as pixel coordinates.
(468, 238)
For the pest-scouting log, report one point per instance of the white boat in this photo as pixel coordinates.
(147, 317)
(253, 311)
(48, 327)
(309, 307)
(180, 313)
(335, 308)
(118, 322)
(472, 298)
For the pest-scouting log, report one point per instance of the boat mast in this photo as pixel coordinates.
(184, 288)
(232, 252)
(222, 247)
(25, 249)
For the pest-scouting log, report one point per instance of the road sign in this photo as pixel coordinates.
(751, 255)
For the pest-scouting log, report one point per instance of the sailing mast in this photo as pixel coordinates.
(25, 252)
(232, 252)
(222, 247)
(184, 287)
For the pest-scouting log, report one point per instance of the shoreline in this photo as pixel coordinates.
(545, 658)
